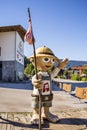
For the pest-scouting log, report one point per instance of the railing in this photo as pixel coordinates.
(79, 92)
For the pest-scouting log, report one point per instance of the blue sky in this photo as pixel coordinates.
(60, 25)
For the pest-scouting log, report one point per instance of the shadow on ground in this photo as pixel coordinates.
(67, 121)
(19, 85)
(18, 124)
(73, 121)
(24, 85)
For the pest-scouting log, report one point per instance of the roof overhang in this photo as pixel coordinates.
(17, 28)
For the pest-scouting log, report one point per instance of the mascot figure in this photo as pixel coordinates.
(45, 60)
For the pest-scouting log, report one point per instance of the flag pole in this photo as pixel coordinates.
(36, 75)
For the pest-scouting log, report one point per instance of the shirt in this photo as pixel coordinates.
(46, 80)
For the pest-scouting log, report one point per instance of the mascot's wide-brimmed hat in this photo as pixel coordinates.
(44, 52)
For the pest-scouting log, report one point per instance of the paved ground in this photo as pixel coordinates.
(16, 110)
(15, 97)
(69, 120)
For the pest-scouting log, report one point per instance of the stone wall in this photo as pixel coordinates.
(11, 71)
(8, 71)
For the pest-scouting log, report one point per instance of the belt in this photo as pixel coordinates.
(44, 97)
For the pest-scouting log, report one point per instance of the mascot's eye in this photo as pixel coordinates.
(46, 59)
(53, 60)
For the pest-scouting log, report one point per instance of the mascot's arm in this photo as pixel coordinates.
(61, 65)
(37, 83)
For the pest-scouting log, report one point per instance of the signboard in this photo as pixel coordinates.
(20, 52)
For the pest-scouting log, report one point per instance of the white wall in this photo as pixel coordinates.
(7, 44)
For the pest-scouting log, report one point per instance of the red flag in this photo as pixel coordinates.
(29, 35)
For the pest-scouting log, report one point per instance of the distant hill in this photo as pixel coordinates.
(76, 63)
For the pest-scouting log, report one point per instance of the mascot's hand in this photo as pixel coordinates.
(37, 83)
(63, 63)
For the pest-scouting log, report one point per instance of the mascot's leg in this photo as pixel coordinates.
(46, 114)
(35, 115)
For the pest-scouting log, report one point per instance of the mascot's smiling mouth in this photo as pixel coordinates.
(48, 66)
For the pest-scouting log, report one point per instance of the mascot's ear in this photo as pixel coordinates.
(31, 59)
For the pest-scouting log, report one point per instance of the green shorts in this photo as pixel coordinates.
(35, 103)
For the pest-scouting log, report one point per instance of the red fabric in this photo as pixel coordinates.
(29, 35)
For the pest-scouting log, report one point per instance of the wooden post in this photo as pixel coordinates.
(36, 76)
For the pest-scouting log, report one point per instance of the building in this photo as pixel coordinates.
(11, 52)
(79, 69)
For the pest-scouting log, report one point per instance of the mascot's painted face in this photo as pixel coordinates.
(45, 59)
(45, 63)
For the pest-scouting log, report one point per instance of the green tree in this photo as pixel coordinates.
(26, 61)
(65, 73)
(85, 71)
(29, 70)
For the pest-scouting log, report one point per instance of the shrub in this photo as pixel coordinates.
(83, 79)
(75, 77)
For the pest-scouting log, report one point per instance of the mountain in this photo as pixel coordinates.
(76, 63)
